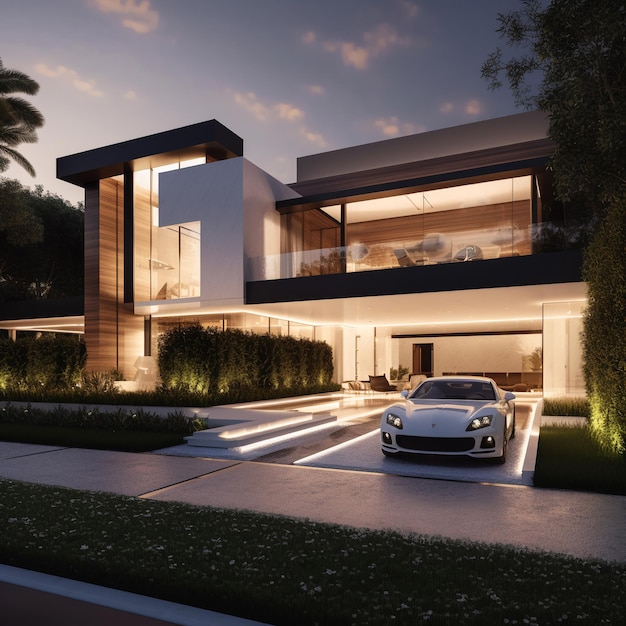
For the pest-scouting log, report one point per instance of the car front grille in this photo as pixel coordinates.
(435, 444)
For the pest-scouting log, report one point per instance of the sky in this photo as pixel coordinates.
(291, 77)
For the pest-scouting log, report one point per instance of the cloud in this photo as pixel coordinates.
(70, 76)
(280, 111)
(249, 102)
(351, 54)
(316, 90)
(136, 15)
(131, 94)
(359, 55)
(314, 138)
(392, 127)
(288, 112)
(473, 107)
(410, 9)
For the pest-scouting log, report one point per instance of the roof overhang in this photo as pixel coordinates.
(463, 169)
(210, 139)
(64, 315)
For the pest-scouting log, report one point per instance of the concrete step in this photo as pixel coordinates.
(235, 427)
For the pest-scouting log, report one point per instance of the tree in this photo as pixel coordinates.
(19, 119)
(41, 244)
(572, 65)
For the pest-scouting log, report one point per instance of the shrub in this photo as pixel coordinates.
(100, 382)
(211, 361)
(604, 335)
(94, 418)
(47, 362)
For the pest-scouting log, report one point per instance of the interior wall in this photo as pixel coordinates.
(495, 353)
(335, 337)
(562, 349)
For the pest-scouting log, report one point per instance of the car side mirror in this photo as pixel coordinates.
(508, 396)
(404, 393)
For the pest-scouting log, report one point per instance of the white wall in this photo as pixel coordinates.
(497, 353)
(562, 350)
(235, 204)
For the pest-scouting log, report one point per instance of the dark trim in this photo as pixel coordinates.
(404, 179)
(128, 255)
(487, 333)
(36, 309)
(206, 138)
(147, 335)
(539, 269)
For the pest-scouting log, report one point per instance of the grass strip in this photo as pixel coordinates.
(568, 457)
(285, 571)
(96, 439)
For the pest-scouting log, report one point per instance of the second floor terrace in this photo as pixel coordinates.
(494, 219)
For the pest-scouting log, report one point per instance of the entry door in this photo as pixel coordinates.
(423, 358)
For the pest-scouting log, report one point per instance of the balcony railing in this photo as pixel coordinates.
(433, 249)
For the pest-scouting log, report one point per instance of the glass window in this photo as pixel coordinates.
(467, 222)
(167, 259)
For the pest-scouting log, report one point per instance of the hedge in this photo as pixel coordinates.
(47, 362)
(208, 360)
(604, 334)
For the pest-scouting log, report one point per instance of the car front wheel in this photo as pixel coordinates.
(513, 429)
(501, 460)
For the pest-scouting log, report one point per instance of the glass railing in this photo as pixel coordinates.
(433, 249)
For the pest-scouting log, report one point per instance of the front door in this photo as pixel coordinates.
(423, 358)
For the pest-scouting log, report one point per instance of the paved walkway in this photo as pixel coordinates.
(583, 525)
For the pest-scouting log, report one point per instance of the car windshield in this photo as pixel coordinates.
(454, 390)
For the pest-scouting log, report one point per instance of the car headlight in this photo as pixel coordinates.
(480, 422)
(394, 420)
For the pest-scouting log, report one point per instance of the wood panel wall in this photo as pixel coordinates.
(414, 227)
(142, 228)
(113, 335)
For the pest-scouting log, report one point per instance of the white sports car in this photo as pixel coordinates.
(450, 415)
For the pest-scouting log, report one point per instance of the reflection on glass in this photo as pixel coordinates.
(167, 259)
(471, 222)
(175, 263)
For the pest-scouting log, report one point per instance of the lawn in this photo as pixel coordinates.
(285, 571)
(97, 439)
(569, 458)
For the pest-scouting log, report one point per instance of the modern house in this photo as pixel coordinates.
(432, 253)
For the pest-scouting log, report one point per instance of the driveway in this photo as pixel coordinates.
(353, 444)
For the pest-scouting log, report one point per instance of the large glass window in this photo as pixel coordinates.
(167, 258)
(470, 222)
(311, 240)
(464, 223)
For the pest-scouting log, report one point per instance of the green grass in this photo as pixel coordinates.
(159, 397)
(568, 457)
(571, 407)
(285, 571)
(98, 439)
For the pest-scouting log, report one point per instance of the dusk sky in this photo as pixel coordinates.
(291, 77)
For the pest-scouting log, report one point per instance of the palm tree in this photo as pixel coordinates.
(18, 118)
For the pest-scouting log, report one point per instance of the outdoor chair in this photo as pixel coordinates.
(380, 383)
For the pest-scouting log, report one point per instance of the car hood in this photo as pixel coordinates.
(461, 410)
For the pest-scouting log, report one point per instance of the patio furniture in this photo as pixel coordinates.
(380, 383)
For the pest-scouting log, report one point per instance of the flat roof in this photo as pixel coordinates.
(205, 138)
(474, 137)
